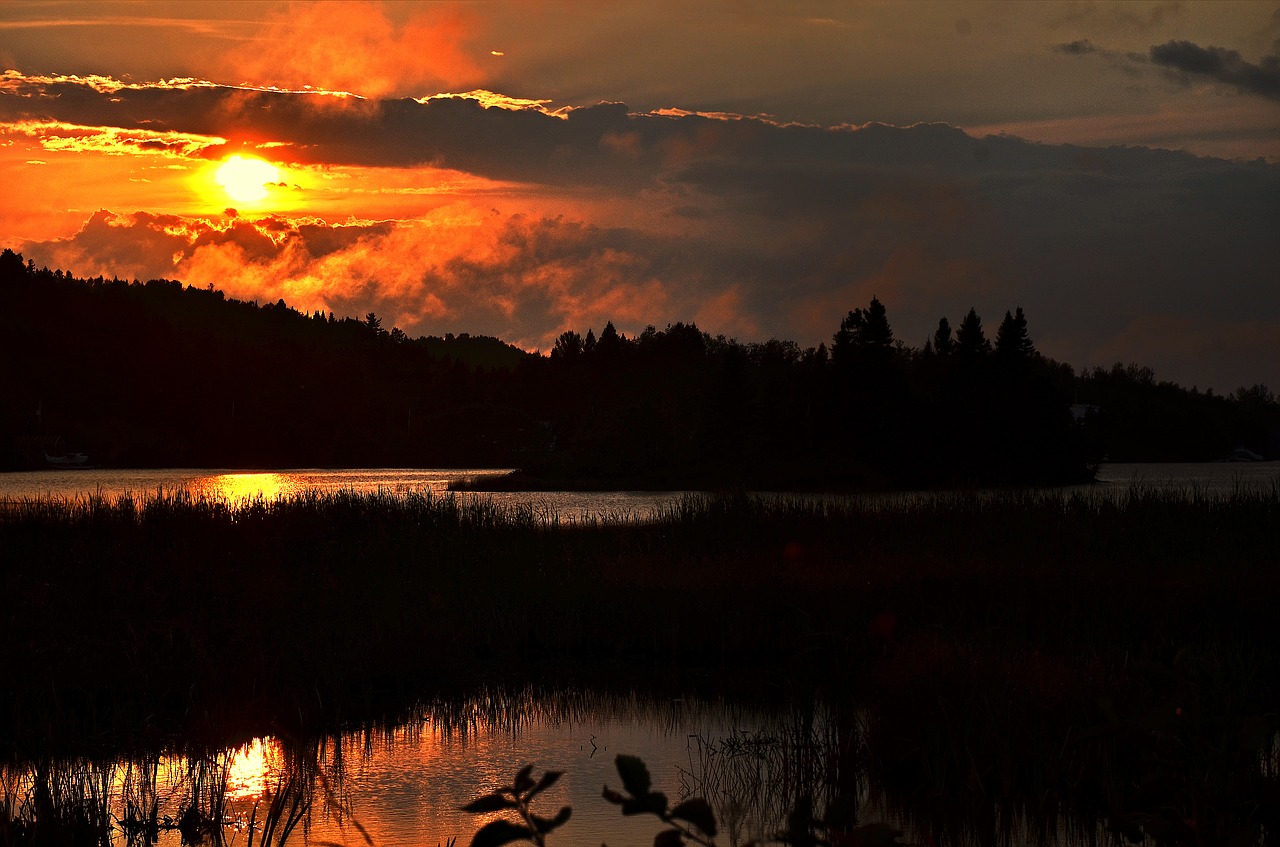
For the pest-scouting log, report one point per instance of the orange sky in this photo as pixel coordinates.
(760, 168)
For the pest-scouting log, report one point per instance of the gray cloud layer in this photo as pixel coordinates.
(1225, 66)
(753, 228)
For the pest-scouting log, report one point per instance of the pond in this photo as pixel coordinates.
(944, 729)
(1209, 477)
(402, 785)
(238, 485)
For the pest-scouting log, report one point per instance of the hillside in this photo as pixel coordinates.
(156, 374)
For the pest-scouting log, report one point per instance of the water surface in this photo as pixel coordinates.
(1208, 477)
(403, 785)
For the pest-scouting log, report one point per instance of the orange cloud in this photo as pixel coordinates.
(726, 313)
(62, 136)
(456, 269)
(357, 47)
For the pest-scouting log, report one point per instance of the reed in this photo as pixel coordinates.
(157, 595)
(981, 629)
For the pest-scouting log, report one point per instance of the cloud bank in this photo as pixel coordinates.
(751, 227)
(1224, 66)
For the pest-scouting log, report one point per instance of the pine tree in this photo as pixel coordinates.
(943, 343)
(610, 342)
(970, 340)
(1011, 339)
(864, 331)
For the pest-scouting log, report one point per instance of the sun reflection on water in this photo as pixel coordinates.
(251, 767)
(236, 487)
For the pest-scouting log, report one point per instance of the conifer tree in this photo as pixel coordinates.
(970, 340)
(1011, 339)
(609, 343)
(864, 331)
(943, 343)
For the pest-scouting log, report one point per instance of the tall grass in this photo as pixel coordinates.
(984, 632)
(178, 599)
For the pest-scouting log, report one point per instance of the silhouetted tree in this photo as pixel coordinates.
(589, 343)
(610, 344)
(943, 343)
(568, 346)
(970, 339)
(1012, 341)
(11, 266)
(864, 332)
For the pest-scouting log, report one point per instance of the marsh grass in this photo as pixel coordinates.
(1010, 646)
(754, 779)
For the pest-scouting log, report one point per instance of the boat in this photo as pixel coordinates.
(67, 460)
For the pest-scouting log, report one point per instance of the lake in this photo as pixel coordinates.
(403, 784)
(238, 485)
(1209, 477)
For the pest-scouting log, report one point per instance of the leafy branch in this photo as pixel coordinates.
(516, 797)
(692, 820)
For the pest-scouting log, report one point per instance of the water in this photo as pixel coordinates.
(1209, 477)
(404, 785)
(240, 485)
(1216, 477)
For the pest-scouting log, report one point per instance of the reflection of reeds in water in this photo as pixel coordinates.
(52, 803)
(288, 805)
(143, 797)
(1010, 616)
(754, 778)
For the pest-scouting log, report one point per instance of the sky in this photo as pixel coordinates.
(520, 168)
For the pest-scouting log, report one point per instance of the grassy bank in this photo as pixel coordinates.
(186, 600)
(1009, 646)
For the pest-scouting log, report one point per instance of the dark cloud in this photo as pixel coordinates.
(1224, 66)
(597, 146)
(751, 227)
(1077, 48)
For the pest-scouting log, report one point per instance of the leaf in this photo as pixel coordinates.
(548, 779)
(523, 782)
(669, 838)
(494, 802)
(654, 803)
(497, 833)
(635, 776)
(613, 796)
(697, 812)
(547, 824)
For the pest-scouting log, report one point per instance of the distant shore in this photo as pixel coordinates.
(864, 482)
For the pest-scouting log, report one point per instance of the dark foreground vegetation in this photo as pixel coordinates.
(156, 374)
(1062, 657)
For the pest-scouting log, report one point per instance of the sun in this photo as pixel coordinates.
(245, 179)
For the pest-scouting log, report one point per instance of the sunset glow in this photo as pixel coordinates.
(251, 768)
(245, 179)
(237, 487)
(495, 169)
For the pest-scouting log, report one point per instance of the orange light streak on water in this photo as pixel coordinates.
(251, 769)
(236, 487)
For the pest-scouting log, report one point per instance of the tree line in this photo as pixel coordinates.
(158, 374)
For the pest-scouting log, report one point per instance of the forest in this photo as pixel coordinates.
(158, 374)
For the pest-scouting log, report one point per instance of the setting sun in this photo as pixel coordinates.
(245, 179)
